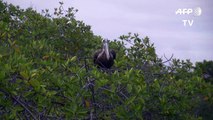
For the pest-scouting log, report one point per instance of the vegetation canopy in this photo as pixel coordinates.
(47, 72)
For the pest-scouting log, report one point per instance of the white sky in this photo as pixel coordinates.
(153, 18)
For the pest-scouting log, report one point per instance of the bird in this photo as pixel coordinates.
(104, 58)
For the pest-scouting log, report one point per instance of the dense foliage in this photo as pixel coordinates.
(46, 72)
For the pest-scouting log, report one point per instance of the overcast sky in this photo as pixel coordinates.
(153, 18)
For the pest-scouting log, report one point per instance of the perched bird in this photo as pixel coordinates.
(104, 58)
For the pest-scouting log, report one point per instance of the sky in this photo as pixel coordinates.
(156, 19)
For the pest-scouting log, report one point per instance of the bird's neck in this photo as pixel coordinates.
(106, 51)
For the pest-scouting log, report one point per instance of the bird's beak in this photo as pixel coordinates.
(106, 49)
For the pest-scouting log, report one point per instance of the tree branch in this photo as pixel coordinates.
(19, 102)
(167, 60)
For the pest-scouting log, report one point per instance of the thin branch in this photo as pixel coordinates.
(91, 115)
(102, 88)
(19, 102)
(24, 107)
(167, 60)
(123, 94)
(130, 42)
(85, 64)
(90, 86)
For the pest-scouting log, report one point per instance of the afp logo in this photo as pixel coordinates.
(187, 11)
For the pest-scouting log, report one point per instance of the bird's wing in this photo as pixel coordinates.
(95, 56)
(113, 54)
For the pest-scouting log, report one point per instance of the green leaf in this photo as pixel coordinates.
(74, 58)
(24, 74)
(82, 112)
(35, 84)
(2, 75)
(74, 108)
(103, 81)
(130, 100)
(129, 87)
(5, 51)
(51, 93)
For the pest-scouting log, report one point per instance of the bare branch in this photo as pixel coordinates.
(102, 88)
(19, 102)
(123, 95)
(167, 60)
(24, 107)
